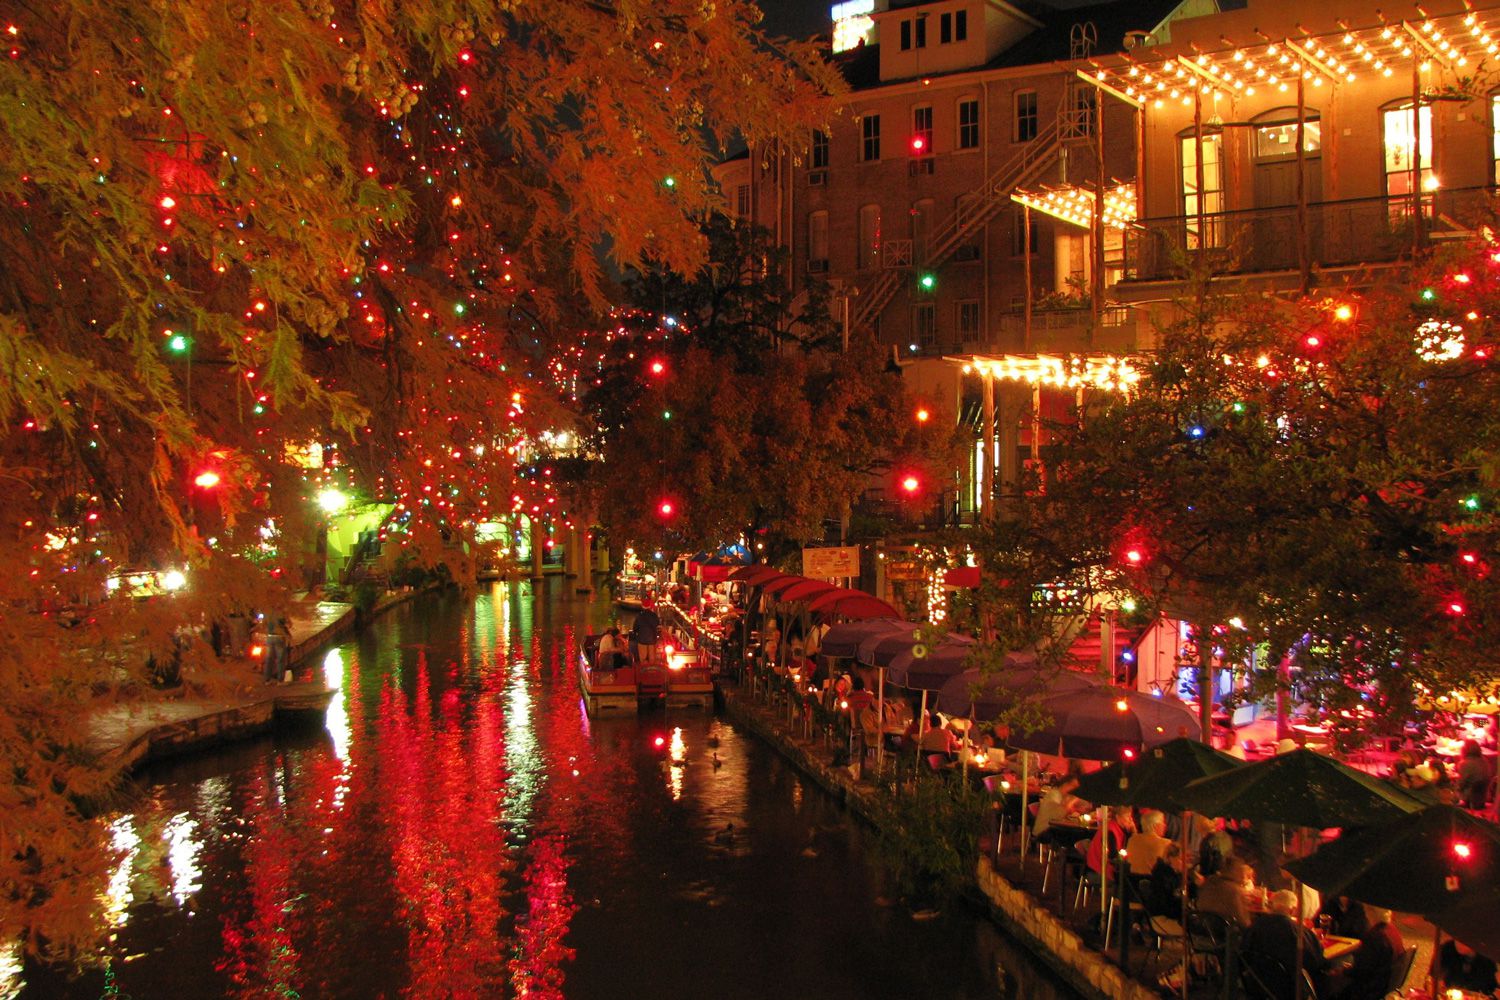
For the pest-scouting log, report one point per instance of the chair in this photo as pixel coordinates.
(1208, 934)
(1400, 970)
(1265, 978)
(937, 763)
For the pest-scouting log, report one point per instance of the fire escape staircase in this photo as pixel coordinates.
(972, 212)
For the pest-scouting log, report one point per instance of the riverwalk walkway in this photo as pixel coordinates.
(237, 704)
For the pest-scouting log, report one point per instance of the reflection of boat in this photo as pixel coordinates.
(605, 692)
(632, 587)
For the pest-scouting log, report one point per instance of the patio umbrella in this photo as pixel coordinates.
(781, 583)
(799, 589)
(930, 671)
(1153, 779)
(844, 638)
(1101, 723)
(752, 575)
(1473, 922)
(1423, 862)
(880, 649)
(1300, 788)
(852, 604)
(984, 696)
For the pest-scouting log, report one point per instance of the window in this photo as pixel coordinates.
(922, 32)
(817, 239)
(742, 201)
(1277, 140)
(867, 252)
(1018, 246)
(945, 29)
(1210, 204)
(924, 324)
(819, 150)
(1026, 118)
(1400, 144)
(961, 26)
(869, 149)
(921, 131)
(1495, 142)
(968, 321)
(905, 35)
(968, 123)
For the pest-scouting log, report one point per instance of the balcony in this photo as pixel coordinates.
(1340, 234)
(1071, 330)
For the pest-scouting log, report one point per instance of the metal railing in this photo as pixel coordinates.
(1339, 234)
(973, 210)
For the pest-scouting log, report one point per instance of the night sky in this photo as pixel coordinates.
(796, 18)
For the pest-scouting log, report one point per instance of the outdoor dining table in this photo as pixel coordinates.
(1065, 838)
(1335, 947)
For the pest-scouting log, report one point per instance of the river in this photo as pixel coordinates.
(462, 829)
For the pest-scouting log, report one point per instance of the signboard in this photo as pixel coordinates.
(905, 572)
(831, 563)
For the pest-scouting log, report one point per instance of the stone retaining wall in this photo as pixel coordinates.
(1016, 910)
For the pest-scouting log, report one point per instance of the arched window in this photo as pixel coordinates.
(1276, 134)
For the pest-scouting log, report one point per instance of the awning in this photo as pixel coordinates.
(752, 575)
(851, 604)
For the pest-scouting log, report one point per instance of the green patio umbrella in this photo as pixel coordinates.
(1424, 862)
(1300, 788)
(1154, 778)
(1473, 921)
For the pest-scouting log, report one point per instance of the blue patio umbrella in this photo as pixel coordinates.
(844, 638)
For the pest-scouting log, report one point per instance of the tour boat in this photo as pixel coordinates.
(680, 678)
(606, 692)
(631, 588)
(689, 678)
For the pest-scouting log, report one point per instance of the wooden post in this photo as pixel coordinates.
(1096, 286)
(1304, 250)
(1204, 639)
(1198, 161)
(987, 490)
(1026, 263)
(1416, 152)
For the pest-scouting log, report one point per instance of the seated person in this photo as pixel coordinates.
(1058, 804)
(612, 650)
(1348, 917)
(1161, 891)
(938, 738)
(1368, 977)
(1224, 893)
(1148, 846)
(859, 699)
(1121, 826)
(1269, 948)
(1457, 967)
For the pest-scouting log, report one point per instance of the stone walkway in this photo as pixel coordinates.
(129, 733)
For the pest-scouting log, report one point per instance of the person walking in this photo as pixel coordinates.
(276, 648)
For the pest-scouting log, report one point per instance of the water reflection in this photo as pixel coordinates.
(463, 829)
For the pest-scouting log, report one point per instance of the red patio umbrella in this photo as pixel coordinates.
(752, 575)
(802, 590)
(776, 586)
(851, 604)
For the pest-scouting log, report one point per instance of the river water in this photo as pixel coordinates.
(462, 829)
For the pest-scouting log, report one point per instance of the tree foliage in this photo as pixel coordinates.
(231, 231)
(1320, 472)
(745, 429)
